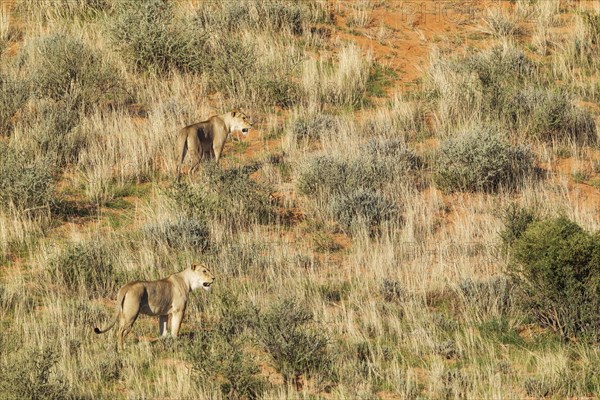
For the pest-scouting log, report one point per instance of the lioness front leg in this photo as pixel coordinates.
(162, 325)
(176, 319)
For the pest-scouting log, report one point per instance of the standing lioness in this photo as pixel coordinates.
(163, 297)
(207, 138)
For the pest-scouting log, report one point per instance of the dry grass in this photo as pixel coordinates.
(405, 305)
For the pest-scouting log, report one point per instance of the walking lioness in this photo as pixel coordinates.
(164, 297)
(207, 138)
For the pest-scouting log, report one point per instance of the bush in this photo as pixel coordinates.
(551, 115)
(296, 347)
(516, 221)
(52, 129)
(65, 68)
(362, 208)
(218, 353)
(89, 266)
(153, 39)
(30, 376)
(13, 94)
(556, 265)
(313, 126)
(227, 195)
(179, 234)
(25, 182)
(481, 160)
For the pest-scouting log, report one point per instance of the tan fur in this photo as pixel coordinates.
(207, 138)
(163, 297)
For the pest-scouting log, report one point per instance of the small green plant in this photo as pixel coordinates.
(482, 160)
(516, 220)
(179, 234)
(296, 347)
(555, 266)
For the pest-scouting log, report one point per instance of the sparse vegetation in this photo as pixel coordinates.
(390, 228)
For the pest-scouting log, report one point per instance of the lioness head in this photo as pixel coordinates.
(202, 277)
(240, 122)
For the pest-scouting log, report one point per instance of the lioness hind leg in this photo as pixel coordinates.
(162, 325)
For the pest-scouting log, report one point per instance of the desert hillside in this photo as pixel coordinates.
(415, 213)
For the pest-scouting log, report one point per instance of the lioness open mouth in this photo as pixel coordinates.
(245, 130)
(207, 284)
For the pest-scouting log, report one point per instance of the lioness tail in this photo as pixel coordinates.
(118, 307)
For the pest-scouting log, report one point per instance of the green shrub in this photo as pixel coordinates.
(362, 208)
(481, 160)
(551, 115)
(150, 36)
(13, 94)
(52, 130)
(516, 221)
(31, 376)
(88, 266)
(295, 345)
(556, 265)
(65, 68)
(219, 352)
(25, 182)
(313, 126)
(227, 195)
(179, 234)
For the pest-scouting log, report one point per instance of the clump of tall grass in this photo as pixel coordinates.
(482, 160)
(502, 85)
(343, 82)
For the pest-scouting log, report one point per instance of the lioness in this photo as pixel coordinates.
(163, 297)
(207, 138)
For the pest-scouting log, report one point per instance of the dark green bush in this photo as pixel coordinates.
(180, 234)
(482, 160)
(88, 266)
(296, 346)
(25, 182)
(556, 265)
(13, 94)
(516, 221)
(65, 68)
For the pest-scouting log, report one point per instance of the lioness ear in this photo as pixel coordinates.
(233, 113)
(195, 266)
